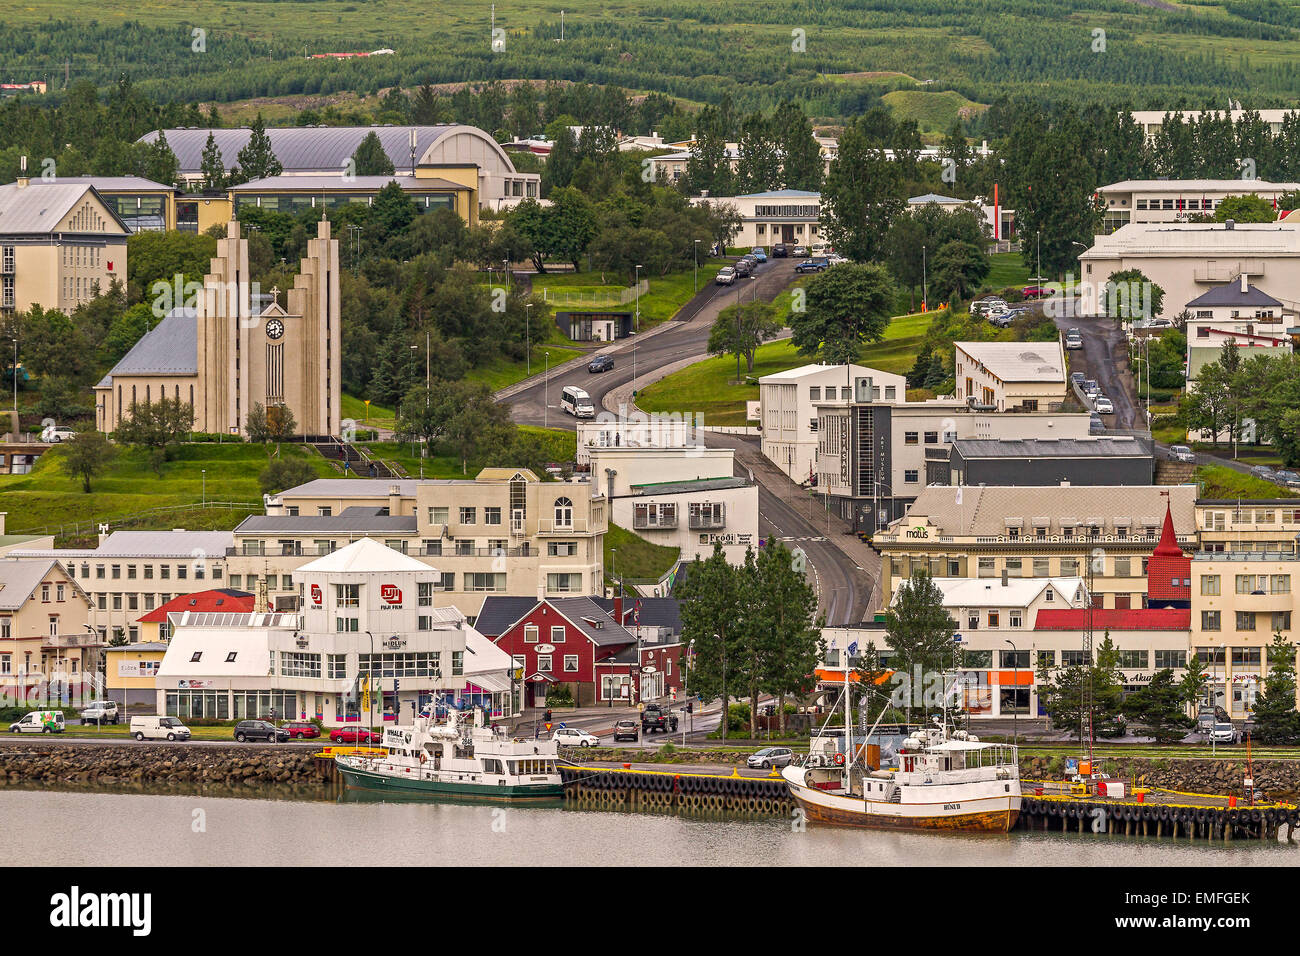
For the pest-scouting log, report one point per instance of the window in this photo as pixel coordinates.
(1245, 620)
(1042, 567)
(911, 438)
(654, 515)
(425, 593)
(1069, 567)
(707, 514)
(563, 513)
(932, 438)
(117, 571)
(571, 663)
(1281, 621)
(325, 511)
(196, 657)
(1074, 659)
(1015, 659)
(815, 393)
(1246, 656)
(911, 476)
(457, 663)
(347, 595)
(544, 663)
(492, 516)
(485, 581)
(1210, 620)
(130, 572)
(346, 624)
(230, 658)
(994, 619)
(431, 547)
(468, 515)
(557, 634)
(1122, 567)
(1210, 584)
(986, 568)
(1137, 659)
(563, 583)
(164, 572)
(1015, 618)
(531, 632)
(1047, 658)
(561, 549)
(1170, 659)
(438, 515)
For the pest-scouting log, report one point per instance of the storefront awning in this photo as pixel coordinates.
(492, 683)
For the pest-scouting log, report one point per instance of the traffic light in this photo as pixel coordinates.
(690, 707)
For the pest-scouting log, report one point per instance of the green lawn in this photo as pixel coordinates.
(710, 386)
(1007, 269)
(665, 296)
(47, 498)
(373, 416)
(1220, 482)
(561, 447)
(637, 559)
(502, 372)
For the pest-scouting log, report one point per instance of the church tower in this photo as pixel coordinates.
(222, 321)
(313, 369)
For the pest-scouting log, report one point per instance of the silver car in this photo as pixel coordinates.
(1181, 453)
(769, 758)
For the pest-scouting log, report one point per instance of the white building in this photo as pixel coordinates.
(1152, 120)
(999, 223)
(792, 216)
(1007, 376)
(368, 633)
(640, 430)
(1188, 259)
(788, 408)
(1236, 312)
(1174, 200)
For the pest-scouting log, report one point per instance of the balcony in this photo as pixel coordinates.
(1263, 601)
(707, 522)
(73, 640)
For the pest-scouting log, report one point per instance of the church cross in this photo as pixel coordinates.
(275, 295)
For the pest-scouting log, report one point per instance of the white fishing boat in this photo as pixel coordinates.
(945, 780)
(457, 758)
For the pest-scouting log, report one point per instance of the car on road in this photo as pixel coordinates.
(573, 737)
(260, 730)
(1264, 472)
(39, 722)
(626, 730)
(1077, 378)
(1034, 292)
(813, 265)
(1074, 339)
(1207, 716)
(1286, 477)
(1223, 732)
(1095, 425)
(1103, 405)
(101, 712)
(780, 250)
(56, 433)
(758, 253)
(300, 729)
(1181, 453)
(799, 251)
(726, 276)
(156, 727)
(769, 758)
(1091, 388)
(655, 718)
(601, 363)
(354, 735)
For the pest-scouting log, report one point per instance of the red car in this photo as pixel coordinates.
(354, 735)
(1034, 292)
(300, 729)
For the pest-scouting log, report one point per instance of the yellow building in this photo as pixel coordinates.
(1010, 376)
(46, 643)
(60, 244)
(292, 194)
(1271, 524)
(130, 674)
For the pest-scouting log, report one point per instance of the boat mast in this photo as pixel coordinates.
(848, 721)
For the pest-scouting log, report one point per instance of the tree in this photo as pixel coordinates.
(283, 473)
(920, 633)
(1276, 719)
(740, 329)
(87, 455)
(802, 166)
(280, 424)
(1158, 708)
(1129, 295)
(958, 269)
(255, 425)
(460, 416)
(157, 426)
(845, 308)
(159, 163)
(1062, 691)
(214, 168)
(370, 158)
(1250, 208)
(257, 159)
(786, 612)
(862, 195)
(712, 612)
(1192, 686)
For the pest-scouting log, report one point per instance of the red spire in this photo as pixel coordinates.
(1168, 546)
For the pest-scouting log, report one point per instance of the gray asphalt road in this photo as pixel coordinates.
(688, 337)
(1102, 343)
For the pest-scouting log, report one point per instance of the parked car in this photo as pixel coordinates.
(39, 722)
(1264, 472)
(1074, 339)
(300, 729)
(626, 730)
(157, 727)
(1077, 378)
(1034, 292)
(1003, 320)
(1207, 717)
(601, 363)
(260, 730)
(55, 433)
(1289, 478)
(744, 268)
(1181, 453)
(780, 250)
(1095, 425)
(355, 735)
(1091, 388)
(726, 276)
(1223, 732)
(758, 253)
(1104, 405)
(812, 265)
(101, 712)
(799, 251)
(770, 757)
(987, 305)
(655, 718)
(835, 260)
(573, 737)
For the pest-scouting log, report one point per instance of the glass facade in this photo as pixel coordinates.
(296, 202)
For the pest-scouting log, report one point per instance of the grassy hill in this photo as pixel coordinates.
(933, 112)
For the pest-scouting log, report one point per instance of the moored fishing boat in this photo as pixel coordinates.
(457, 759)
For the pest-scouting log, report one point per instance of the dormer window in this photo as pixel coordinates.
(230, 658)
(196, 657)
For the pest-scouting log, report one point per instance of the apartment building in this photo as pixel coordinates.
(502, 531)
(1236, 312)
(1176, 200)
(60, 242)
(788, 408)
(47, 649)
(1099, 460)
(1240, 599)
(1010, 376)
(1039, 532)
(792, 216)
(1249, 525)
(1151, 120)
(876, 453)
(132, 572)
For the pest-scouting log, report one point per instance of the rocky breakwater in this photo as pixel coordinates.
(143, 763)
(1279, 779)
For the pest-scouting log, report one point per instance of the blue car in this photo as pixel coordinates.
(758, 253)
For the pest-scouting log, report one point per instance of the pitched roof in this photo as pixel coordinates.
(1169, 572)
(1019, 361)
(590, 618)
(19, 578)
(366, 555)
(353, 520)
(145, 544)
(27, 211)
(1230, 294)
(170, 348)
(112, 183)
(216, 599)
(991, 592)
(655, 611)
(351, 488)
(500, 612)
(936, 198)
(1114, 619)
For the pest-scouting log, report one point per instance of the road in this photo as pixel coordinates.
(1103, 342)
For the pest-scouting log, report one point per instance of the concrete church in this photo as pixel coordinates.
(234, 347)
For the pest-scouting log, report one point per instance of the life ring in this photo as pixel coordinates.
(423, 756)
(839, 760)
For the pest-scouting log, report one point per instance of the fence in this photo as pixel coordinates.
(135, 517)
(595, 299)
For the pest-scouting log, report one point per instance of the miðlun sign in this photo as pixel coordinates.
(395, 643)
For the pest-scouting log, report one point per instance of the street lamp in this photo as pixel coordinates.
(370, 681)
(1015, 714)
(925, 285)
(697, 265)
(690, 649)
(546, 402)
(204, 473)
(528, 338)
(638, 298)
(15, 388)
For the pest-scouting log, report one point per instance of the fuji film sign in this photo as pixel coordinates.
(390, 594)
(317, 596)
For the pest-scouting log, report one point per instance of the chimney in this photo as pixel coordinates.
(1004, 577)
(618, 607)
(1230, 224)
(23, 179)
(394, 500)
(1243, 283)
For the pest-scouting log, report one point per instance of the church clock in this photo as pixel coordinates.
(274, 329)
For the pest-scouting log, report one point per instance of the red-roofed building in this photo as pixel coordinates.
(1169, 572)
(154, 625)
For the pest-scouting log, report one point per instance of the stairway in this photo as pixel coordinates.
(1174, 472)
(357, 462)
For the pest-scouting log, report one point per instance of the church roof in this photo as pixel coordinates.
(1169, 572)
(169, 348)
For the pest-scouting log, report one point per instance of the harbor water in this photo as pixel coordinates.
(282, 827)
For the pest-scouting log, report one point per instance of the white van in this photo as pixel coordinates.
(158, 728)
(577, 402)
(39, 722)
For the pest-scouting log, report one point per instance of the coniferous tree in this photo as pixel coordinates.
(370, 158)
(214, 169)
(1276, 719)
(712, 612)
(257, 159)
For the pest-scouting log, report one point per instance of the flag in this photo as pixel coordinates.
(636, 614)
(365, 693)
(958, 499)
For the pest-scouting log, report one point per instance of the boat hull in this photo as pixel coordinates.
(995, 814)
(409, 785)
